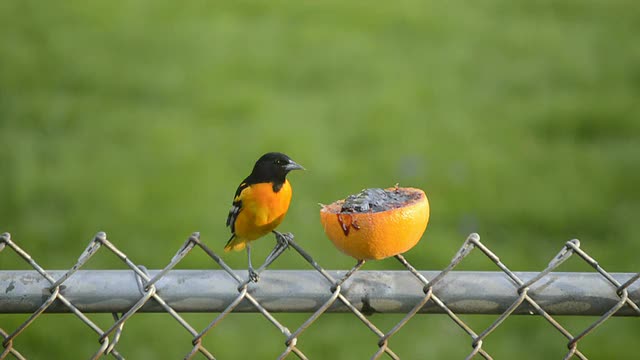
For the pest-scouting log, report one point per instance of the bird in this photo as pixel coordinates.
(260, 204)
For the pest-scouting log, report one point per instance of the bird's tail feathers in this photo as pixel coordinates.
(235, 244)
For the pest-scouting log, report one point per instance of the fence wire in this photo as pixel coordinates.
(336, 289)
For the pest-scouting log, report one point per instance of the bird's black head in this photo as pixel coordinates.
(273, 167)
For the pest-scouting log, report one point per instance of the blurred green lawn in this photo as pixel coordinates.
(519, 119)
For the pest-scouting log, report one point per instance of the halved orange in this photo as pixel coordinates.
(372, 225)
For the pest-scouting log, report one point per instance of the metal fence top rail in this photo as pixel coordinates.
(464, 292)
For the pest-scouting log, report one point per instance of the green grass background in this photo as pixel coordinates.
(520, 120)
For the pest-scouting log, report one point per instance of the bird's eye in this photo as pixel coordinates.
(279, 162)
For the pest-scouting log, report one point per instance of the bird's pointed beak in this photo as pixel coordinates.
(292, 165)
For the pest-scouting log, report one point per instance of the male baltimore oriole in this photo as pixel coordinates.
(260, 204)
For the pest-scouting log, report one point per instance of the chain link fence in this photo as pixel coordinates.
(505, 292)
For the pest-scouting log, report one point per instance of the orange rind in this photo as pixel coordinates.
(373, 226)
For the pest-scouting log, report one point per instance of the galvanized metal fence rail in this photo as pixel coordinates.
(547, 294)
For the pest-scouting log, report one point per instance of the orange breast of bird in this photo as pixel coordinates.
(262, 210)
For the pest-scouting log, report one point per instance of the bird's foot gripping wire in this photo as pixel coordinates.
(283, 239)
(253, 275)
(281, 245)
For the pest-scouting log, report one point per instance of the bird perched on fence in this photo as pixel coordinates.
(260, 204)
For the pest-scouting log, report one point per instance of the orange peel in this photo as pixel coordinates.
(377, 231)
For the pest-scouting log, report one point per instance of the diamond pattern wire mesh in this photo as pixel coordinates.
(108, 338)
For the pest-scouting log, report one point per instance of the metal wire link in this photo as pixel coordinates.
(524, 293)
